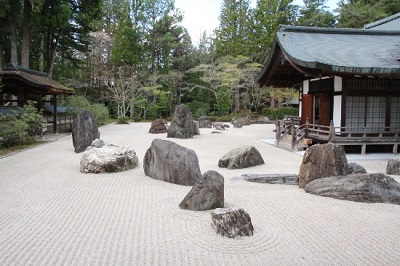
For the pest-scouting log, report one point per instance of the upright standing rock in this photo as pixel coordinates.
(322, 160)
(393, 167)
(207, 194)
(182, 125)
(232, 222)
(170, 162)
(84, 130)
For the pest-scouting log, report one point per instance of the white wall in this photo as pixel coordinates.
(306, 85)
(337, 102)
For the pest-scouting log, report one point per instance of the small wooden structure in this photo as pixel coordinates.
(346, 77)
(292, 135)
(21, 85)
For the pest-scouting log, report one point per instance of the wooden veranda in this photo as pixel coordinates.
(290, 133)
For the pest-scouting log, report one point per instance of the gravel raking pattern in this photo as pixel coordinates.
(51, 214)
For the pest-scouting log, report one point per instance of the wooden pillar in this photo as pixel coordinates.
(293, 132)
(55, 118)
(331, 131)
(278, 131)
(39, 107)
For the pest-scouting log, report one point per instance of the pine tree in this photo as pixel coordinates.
(314, 14)
(127, 46)
(268, 15)
(357, 13)
(232, 34)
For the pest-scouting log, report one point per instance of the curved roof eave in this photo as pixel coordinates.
(336, 69)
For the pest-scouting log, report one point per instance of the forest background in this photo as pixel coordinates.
(136, 58)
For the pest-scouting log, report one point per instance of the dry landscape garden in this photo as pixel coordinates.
(123, 142)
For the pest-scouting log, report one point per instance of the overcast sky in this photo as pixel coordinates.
(202, 15)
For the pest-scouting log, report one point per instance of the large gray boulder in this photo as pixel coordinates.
(242, 157)
(182, 125)
(244, 121)
(322, 160)
(158, 126)
(355, 168)
(236, 124)
(207, 194)
(232, 222)
(369, 188)
(205, 122)
(393, 167)
(84, 130)
(107, 158)
(170, 162)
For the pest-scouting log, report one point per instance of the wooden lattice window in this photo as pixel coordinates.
(365, 113)
(395, 113)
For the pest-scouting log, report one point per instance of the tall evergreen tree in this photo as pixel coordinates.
(268, 15)
(357, 13)
(232, 34)
(315, 14)
(127, 46)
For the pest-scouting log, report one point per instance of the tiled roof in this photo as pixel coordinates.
(334, 51)
(342, 50)
(35, 79)
(389, 23)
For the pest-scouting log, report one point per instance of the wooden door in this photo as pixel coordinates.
(325, 115)
(306, 108)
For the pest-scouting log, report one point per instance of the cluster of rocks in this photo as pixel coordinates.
(170, 162)
(326, 172)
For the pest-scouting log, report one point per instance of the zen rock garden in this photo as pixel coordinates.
(324, 171)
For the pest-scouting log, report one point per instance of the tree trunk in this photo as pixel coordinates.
(237, 100)
(26, 34)
(132, 107)
(1, 57)
(52, 54)
(41, 57)
(13, 39)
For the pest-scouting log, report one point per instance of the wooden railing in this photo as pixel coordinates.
(339, 135)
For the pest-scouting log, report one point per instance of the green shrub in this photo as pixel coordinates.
(279, 113)
(122, 120)
(100, 112)
(198, 108)
(78, 103)
(18, 128)
(32, 118)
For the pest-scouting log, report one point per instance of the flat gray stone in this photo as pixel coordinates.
(371, 188)
(284, 179)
